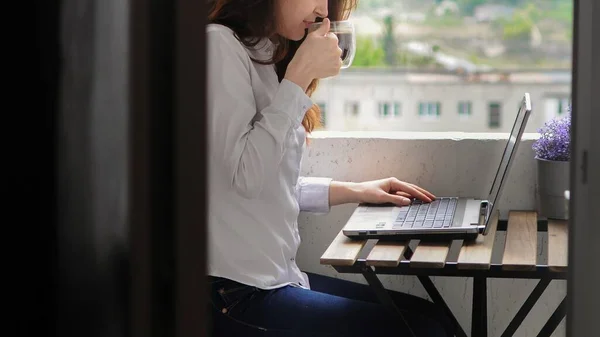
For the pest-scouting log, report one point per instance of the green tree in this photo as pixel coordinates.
(468, 6)
(522, 22)
(368, 53)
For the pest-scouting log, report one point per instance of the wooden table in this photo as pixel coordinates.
(519, 260)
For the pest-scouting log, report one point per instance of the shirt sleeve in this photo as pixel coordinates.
(250, 144)
(313, 194)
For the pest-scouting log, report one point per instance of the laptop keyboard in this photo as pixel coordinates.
(437, 214)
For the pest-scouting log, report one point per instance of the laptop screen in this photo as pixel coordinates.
(509, 152)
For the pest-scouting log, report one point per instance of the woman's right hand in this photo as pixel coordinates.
(319, 56)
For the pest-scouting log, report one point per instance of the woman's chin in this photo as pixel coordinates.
(296, 36)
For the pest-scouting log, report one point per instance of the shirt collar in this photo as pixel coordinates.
(264, 49)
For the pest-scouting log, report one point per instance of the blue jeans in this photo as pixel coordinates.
(332, 308)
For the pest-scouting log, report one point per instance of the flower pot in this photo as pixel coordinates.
(552, 182)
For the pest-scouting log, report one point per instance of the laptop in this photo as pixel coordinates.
(446, 218)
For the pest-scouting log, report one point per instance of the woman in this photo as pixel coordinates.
(262, 68)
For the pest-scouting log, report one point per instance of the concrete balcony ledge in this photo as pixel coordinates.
(445, 163)
(407, 135)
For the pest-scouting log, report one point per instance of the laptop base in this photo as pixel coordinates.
(437, 237)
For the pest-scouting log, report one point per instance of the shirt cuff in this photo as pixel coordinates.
(313, 194)
(291, 100)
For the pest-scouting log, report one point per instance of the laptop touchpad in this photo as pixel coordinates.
(471, 213)
(377, 216)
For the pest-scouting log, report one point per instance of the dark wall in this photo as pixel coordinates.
(92, 173)
(584, 269)
(120, 250)
(33, 281)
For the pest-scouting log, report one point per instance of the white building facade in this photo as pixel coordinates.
(395, 100)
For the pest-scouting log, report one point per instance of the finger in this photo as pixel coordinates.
(398, 185)
(323, 28)
(396, 199)
(404, 194)
(332, 36)
(424, 191)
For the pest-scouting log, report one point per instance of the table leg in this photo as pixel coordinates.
(554, 320)
(437, 298)
(479, 310)
(382, 294)
(526, 308)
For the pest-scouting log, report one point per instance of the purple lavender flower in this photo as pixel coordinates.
(555, 139)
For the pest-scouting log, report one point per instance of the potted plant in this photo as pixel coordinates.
(553, 154)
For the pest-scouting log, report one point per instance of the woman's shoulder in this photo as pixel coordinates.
(223, 36)
(219, 28)
(221, 33)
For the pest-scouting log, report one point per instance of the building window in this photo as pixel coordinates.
(397, 109)
(430, 110)
(563, 106)
(494, 120)
(464, 109)
(384, 109)
(323, 108)
(389, 109)
(352, 109)
(555, 107)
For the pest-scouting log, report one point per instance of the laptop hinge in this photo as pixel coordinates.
(484, 213)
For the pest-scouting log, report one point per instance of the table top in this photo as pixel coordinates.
(520, 248)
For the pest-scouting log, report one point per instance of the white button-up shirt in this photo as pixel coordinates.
(256, 142)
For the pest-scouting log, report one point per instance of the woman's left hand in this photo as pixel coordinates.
(392, 190)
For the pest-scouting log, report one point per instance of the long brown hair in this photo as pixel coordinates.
(252, 20)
